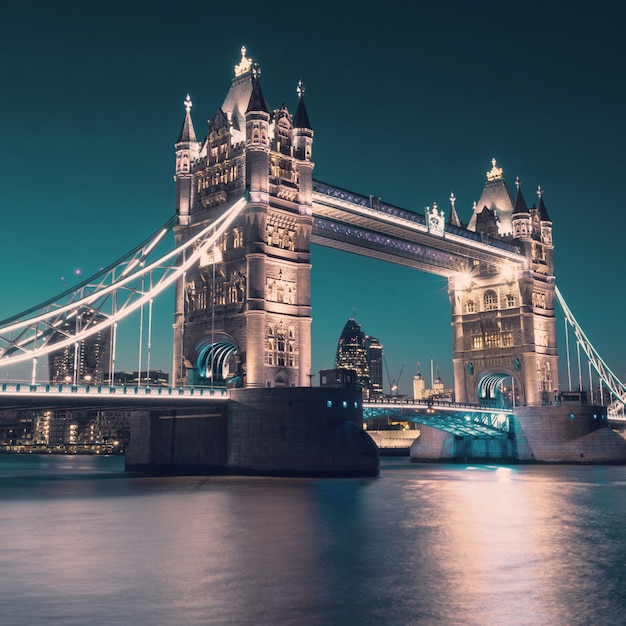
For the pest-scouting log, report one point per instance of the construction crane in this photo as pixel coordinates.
(393, 384)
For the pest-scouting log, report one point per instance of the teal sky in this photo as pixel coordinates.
(409, 101)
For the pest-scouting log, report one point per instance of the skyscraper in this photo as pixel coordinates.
(363, 354)
(352, 353)
(82, 362)
(375, 359)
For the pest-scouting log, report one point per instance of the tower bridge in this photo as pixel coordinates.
(247, 209)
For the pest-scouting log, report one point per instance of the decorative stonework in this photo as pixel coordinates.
(245, 65)
(435, 220)
(495, 173)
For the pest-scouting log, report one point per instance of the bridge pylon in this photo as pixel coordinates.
(503, 317)
(243, 313)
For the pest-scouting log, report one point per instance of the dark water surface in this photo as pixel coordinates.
(81, 542)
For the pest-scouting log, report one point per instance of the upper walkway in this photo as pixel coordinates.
(367, 226)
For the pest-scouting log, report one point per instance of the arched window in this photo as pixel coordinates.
(490, 300)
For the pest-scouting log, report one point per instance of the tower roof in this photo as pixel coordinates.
(541, 207)
(497, 198)
(453, 218)
(301, 117)
(520, 203)
(238, 97)
(257, 100)
(187, 132)
(351, 333)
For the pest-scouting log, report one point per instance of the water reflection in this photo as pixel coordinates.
(83, 543)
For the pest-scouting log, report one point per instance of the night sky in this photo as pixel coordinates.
(409, 101)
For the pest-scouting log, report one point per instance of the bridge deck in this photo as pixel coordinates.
(456, 419)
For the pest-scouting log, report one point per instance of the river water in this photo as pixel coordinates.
(81, 542)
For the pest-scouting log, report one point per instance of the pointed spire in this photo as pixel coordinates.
(187, 132)
(301, 117)
(541, 207)
(520, 203)
(257, 100)
(453, 218)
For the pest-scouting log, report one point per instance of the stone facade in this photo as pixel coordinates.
(503, 319)
(243, 313)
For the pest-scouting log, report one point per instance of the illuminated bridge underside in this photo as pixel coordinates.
(451, 418)
(364, 225)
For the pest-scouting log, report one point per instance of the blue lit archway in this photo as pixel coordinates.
(498, 389)
(218, 362)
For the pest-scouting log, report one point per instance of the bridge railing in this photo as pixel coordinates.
(443, 404)
(112, 390)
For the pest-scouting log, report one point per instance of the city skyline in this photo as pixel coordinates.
(410, 105)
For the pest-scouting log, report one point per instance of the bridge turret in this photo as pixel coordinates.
(243, 314)
(303, 145)
(545, 222)
(257, 142)
(521, 215)
(187, 150)
(503, 318)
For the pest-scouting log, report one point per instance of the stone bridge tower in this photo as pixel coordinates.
(503, 319)
(243, 314)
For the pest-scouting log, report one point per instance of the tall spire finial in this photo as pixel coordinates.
(495, 173)
(188, 103)
(452, 200)
(539, 191)
(518, 183)
(244, 65)
(300, 89)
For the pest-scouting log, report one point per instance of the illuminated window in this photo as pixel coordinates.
(490, 300)
(507, 339)
(477, 342)
(492, 339)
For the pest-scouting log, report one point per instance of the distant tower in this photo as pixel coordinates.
(243, 314)
(375, 359)
(419, 385)
(503, 319)
(352, 353)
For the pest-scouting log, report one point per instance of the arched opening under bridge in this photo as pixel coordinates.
(217, 362)
(499, 389)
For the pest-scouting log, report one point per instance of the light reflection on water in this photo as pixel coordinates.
(83, 543)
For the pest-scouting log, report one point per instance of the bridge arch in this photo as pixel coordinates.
(216, 360)
(492, 389)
